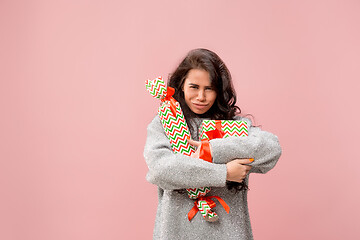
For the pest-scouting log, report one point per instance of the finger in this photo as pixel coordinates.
(196, 153)
(247, 167)
(245, 160)
(194, 143)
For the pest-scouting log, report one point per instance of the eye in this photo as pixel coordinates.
(193, 86)
(209, 88)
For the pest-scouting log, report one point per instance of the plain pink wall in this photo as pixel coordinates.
(74, 111)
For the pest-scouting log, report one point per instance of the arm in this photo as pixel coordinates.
(263, 146)
(170, 170)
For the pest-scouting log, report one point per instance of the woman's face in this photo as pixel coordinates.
(198, 92)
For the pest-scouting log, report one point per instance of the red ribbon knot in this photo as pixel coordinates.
(168, 97)
(211, 204)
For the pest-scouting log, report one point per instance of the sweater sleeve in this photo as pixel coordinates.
(170, 170)
(263, 146)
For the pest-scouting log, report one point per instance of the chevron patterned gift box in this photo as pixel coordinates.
(171, 116)
(229, 127)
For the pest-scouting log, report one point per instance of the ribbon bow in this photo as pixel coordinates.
(168, 97)
(211, 204)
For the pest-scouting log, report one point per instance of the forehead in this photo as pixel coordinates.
(198, 77)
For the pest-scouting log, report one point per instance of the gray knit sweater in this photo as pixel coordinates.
(170, 171)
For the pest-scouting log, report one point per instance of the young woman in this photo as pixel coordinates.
(203, 87)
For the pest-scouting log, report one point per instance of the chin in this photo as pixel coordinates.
(200, 113)
(196, 111)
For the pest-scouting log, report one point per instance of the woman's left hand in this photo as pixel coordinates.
(196, 144)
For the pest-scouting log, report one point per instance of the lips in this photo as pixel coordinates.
(200, 106)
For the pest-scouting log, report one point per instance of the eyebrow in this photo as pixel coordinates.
(193, 84)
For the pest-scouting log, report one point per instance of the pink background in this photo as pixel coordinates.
(74, 111)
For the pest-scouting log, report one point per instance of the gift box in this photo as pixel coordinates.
(171, 116)
(227, 127)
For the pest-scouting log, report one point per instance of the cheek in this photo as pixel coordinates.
(213, 97)
(188, 93)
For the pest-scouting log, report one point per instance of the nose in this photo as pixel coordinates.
(201, 96)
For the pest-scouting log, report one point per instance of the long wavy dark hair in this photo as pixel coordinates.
(224, 107)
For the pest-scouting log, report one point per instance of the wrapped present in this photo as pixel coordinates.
(228, 127)
(171, 116)
(174, 124)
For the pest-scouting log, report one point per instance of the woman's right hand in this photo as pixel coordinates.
(237, 169)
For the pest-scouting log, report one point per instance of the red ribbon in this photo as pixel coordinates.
(168, 97)
(205, 152)
(217, 133)
(211, 204)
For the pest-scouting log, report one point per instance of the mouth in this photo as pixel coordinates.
(197, 105)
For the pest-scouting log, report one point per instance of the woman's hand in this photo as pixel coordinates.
(237, 169)
(196, 144)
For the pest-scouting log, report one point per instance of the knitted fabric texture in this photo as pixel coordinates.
(170, 171)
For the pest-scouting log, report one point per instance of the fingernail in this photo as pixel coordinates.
(187, 137)
(251, 159)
